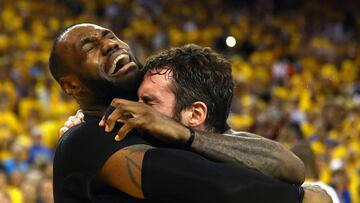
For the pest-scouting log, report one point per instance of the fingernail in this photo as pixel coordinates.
(117, 138)
(101, 123)
(106, 128)
(120, 120)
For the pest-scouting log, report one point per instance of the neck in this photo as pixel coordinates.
(97, 111)
(201, 127)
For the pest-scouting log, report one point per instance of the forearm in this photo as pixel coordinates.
(252, 151)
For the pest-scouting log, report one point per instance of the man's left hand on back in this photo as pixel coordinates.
(71, 122)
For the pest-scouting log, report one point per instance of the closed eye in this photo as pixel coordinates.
(108, 34)
(87, 43)
(147, 100)
(88, 46)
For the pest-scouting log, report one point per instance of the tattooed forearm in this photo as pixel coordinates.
(249, 150)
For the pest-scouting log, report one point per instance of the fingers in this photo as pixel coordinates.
(80, 115)
(72, 121)
(117, 102)
(119, 110)
(102, 123)
(76, 121)
(68, 123)
(62, 131)
(125, 129)
(130, 107)
(106, 115)
(108, 111)
(112, 118)
(104, 120)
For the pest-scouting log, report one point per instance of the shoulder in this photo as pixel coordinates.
(79, 136)
(88, 143)
(232, 132)
(86, 130)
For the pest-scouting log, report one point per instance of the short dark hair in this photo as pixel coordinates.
(199, 74)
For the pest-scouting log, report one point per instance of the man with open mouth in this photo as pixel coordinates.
(94, 66)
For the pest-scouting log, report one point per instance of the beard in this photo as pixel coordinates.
(103, 91)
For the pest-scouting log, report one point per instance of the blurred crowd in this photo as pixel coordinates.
(295, 63)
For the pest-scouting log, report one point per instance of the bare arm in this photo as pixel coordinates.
(123, 170)
(253, 151)
(247, 149)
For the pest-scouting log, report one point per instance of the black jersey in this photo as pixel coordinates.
(168, 175)
(80, 155)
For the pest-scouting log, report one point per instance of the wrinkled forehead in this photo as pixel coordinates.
(80, 30)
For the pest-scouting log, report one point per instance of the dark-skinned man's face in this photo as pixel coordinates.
(104, 63)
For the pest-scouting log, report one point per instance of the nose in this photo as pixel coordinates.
(108, 45)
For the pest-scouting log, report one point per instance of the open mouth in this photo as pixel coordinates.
(119, 62)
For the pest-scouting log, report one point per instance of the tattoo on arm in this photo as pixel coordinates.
(133, 167)
(247, 149)
(138, 148)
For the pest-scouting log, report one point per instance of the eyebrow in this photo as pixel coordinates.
(90, 39)
(86, 40)
(105, 32)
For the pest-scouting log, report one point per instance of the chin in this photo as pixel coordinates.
(104, 90)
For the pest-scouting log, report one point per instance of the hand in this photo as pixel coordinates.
(141, 116)
(71, 122)
(314, 194)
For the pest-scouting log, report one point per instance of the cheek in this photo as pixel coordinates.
(166, 105)
(166, 109)
(92, 63)
(185, 116)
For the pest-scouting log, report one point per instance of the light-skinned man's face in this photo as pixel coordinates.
(98, 57)
(155, 91)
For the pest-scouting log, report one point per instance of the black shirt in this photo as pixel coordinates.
(79, 156)
(168, 175)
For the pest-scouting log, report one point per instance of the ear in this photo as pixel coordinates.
(196, 115)
(70, 85)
